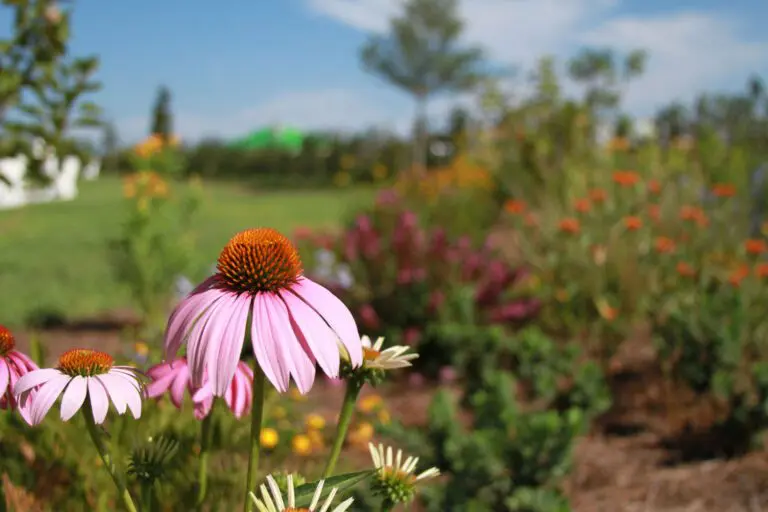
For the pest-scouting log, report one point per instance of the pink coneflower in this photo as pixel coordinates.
(174, 378)
(81, 373)
(13, 364)
(294, 322)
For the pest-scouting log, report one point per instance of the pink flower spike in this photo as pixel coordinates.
(13, 366)
(80, 374)
(294, 322)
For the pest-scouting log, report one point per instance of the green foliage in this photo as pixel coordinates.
(512, 456)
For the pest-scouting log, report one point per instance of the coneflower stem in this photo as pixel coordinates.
(106, 458)
(345, 417)
(206, 430)
(257, 414)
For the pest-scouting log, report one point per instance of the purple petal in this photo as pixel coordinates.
(34, 378)
(265, 349)
(204, 393)
(320, 338)
(73, 397)
(300, 364)
(159, 386)
(335, 314)
(46, 397)
(122, 391)
(24, 363)
(97, 394)
(224, 356)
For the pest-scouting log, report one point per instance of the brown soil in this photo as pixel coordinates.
(637, 458)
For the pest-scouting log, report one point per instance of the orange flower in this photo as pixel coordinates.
(582, 205)
(761, 270)
(626, 178)
(664, 245)
(654, 187)
(598, 195)
(756, 246)
(695, 214)
(514, 206)
(633, 223)
(570, 225)
(685, 270)
(654, 211)
(724, 190)
(738, 275)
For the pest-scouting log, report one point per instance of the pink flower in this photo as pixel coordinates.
(294, 322)
(13, 364)
(238, 396)
(80, 373)
(173, 377)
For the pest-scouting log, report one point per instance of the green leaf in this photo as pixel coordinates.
(304, 493)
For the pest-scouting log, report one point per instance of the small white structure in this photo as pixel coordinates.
(63, 177)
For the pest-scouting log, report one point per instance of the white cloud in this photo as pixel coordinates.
(689, 51)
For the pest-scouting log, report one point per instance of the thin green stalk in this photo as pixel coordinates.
(345, 417)
(206, 431)
(106, 458)
(146, 497)
(257, 414)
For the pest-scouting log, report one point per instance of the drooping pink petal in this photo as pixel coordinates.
(333, 312)
(97, 394)
(4, 376)
(224, 355)
(73, 397)
(265, 348)
(203, 393)
(46, 396)
(239, 394)
(159, 386)
(34, 378)
(300, 364)
(320, 338)
(206, 331)
(186, 316)
(24, 363)
(179, 385)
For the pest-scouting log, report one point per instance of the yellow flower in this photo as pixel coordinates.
(269, 438)
(279, 412)
(361, 435)
(384, 416)
(314, 422)
(296, 395)
(141, 348)
(316, 437)
(369, 403)
(301, 444)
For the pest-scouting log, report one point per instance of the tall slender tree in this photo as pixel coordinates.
(162, 117)
(423, 56)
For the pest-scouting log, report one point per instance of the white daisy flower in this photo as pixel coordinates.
(272, 500)
(390, 358)
(394, 467)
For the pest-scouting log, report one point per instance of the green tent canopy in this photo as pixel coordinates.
(289, 139)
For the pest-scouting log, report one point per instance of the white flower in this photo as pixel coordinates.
(272, 500)
(388, 359)
(395, 467)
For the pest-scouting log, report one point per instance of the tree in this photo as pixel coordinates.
(162, 118)
(422, 55)
(38, 39)
(597, 70)
(55, 84)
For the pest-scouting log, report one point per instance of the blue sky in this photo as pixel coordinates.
(296, 61)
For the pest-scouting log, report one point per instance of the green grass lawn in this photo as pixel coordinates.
(53, 257)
